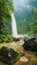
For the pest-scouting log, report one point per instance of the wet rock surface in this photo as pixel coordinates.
(16, 40)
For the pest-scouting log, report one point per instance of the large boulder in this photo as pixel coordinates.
(8, 54)
(31, 44)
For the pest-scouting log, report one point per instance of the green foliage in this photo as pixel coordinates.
(5, 16)
(10, 2)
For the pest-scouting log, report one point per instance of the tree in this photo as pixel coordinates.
(5, 16)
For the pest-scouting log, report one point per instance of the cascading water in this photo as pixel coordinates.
(14, 27)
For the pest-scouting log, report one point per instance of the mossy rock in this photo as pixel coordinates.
(8, 55)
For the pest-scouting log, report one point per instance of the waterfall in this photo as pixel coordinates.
(14, 27)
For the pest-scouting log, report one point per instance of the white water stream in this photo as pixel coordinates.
(14, 27)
